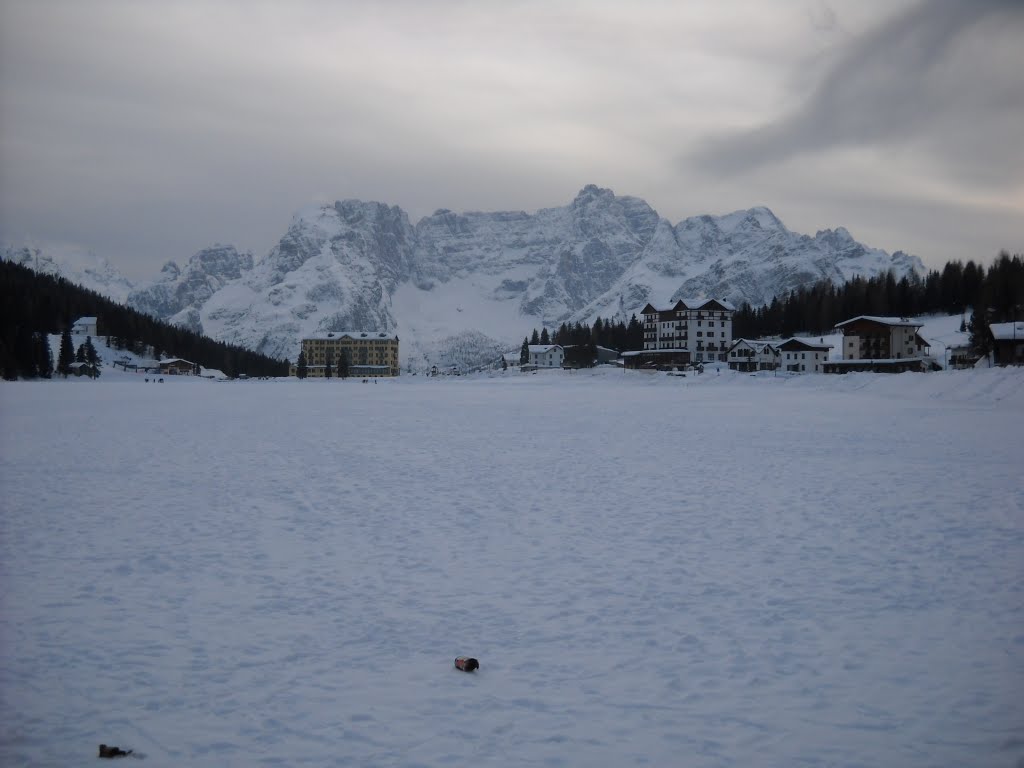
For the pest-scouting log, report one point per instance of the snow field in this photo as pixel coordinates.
(708, 571)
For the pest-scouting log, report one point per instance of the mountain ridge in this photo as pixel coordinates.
(459, 288)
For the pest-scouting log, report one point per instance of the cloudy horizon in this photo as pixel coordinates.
(144, 132)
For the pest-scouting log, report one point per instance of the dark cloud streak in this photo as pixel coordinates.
(923, 79)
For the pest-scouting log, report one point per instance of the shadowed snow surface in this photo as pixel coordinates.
(713, 571)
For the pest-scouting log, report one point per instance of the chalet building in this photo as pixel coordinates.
(83, 369)
(884, 344)
(748, 355)
(546, 355)
(1007, 343)
(803, 355)
(84, 326)
(960, 356)
(175, 366)
(691, 332)
(369, 353)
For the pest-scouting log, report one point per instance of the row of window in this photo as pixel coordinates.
(680, 326)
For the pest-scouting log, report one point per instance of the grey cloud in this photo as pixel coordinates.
(942, 78)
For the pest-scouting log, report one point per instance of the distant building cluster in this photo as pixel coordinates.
(691, 334)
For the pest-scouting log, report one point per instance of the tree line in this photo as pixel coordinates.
(34, 305)
(992, 295)
(340, 366)
(581, 340)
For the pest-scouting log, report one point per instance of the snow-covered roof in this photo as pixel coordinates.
(354, 335)
(540, 349)
(85, 321)
(802, 342)
(701, 303)
(635, 352)
(757, 344)
(1007, 331)
(170, 360)
(863, 361)
(893, 321)
(694, 304)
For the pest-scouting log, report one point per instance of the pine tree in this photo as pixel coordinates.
(634, 335)
(544, 338)
(342, 364)
(981, 339)
(328, 371)
(504, 365)
(67, 354)
(300, 366)
(535, 339)
(80, 354)
(524, 352)
(90, 353)
(43, 355)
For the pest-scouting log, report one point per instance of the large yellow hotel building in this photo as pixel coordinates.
(369, 353)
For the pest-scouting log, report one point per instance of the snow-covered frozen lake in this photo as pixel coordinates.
(720, 571)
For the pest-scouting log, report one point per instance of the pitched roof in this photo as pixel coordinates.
(353, 335)
(757, 344)
(891, 321)
(795, 343)
(1007, 331)
(542, 348)
(692, 304)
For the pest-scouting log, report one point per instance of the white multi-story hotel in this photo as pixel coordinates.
(692, 331)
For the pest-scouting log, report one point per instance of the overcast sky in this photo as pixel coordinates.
(145, 131)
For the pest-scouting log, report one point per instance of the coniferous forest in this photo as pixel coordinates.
(983, 296)
(992, 295)
(33, 305)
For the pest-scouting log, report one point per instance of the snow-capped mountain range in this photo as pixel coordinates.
(459, 288)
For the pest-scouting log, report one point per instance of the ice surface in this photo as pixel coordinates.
(723, 570)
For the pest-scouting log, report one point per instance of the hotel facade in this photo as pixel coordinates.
(690, 332)
(369, 353)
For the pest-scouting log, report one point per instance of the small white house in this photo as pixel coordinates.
(753, 355)
(84, 326)
(546, 355)
(803, 355)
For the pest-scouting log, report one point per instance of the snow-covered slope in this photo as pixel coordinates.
(82, 267)
(460, 287)
(178, 295)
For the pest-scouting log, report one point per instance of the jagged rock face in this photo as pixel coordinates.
(178, 295)
(335, 269)
(552, 263)
(458, 286)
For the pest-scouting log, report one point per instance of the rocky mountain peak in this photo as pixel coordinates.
(459, 286)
